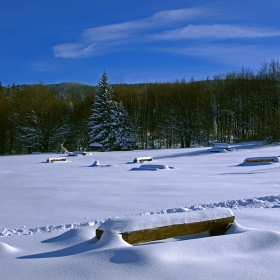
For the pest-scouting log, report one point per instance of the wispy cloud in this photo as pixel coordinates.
(216, 31)
(227, 54)
(157, 28)
(73, 50)
(179, 15)
(97, 40)
(209, 50)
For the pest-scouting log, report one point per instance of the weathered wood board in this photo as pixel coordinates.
(262, 159)
(215, 227)
(56, 159)
(142, 159)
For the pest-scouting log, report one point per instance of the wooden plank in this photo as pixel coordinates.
(56, 159)
(215, 227)
(142, 159)
(269, 159)
(260, 160)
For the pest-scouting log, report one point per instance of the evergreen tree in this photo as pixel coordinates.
(109, 123)
(122, 133)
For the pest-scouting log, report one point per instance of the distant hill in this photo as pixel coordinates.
(71, 90)
(65, 90)
(70, 86)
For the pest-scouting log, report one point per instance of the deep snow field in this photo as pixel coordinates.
(50, 211)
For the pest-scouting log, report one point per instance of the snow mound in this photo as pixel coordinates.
(110, 240)
(30, 231)
(6, 249)
(246, 240)
(96, 163)
(152, 167)
(72, 236)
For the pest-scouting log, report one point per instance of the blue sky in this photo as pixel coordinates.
(58, 41)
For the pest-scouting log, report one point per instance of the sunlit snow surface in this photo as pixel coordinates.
(49, 213)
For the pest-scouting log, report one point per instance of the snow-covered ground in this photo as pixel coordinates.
(50, 211)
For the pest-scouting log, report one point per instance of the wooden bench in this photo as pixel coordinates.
(142, 159)
(221, 144)
(221, 147)
(56, 159)
(77, 153)
(256, 160)
(147, 228)
(153, 166)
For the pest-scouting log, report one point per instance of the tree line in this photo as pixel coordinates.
(237, 106)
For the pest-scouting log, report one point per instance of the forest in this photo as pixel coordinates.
(236, 106)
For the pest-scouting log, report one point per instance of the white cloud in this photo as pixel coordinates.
(179, 15)
(237, 55)
(210, 50)
(125, 29)
(76, 50)
(121, 33)
(109, 38)
(216, 31)
(109, 32)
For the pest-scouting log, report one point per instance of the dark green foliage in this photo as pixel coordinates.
(108, 124)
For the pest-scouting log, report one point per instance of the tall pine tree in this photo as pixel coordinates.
(109, 122)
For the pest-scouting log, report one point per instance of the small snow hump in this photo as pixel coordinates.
(152, 167)
(96, 163)
(6, 249)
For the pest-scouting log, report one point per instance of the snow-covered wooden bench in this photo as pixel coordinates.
(142, 159)
(220, 144)
(77, 153)
(153, 166)
(56, 159)
(146, 228)
(221, 148)
(256, 160)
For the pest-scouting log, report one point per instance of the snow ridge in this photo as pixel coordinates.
(260, 202)
(30, 231)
